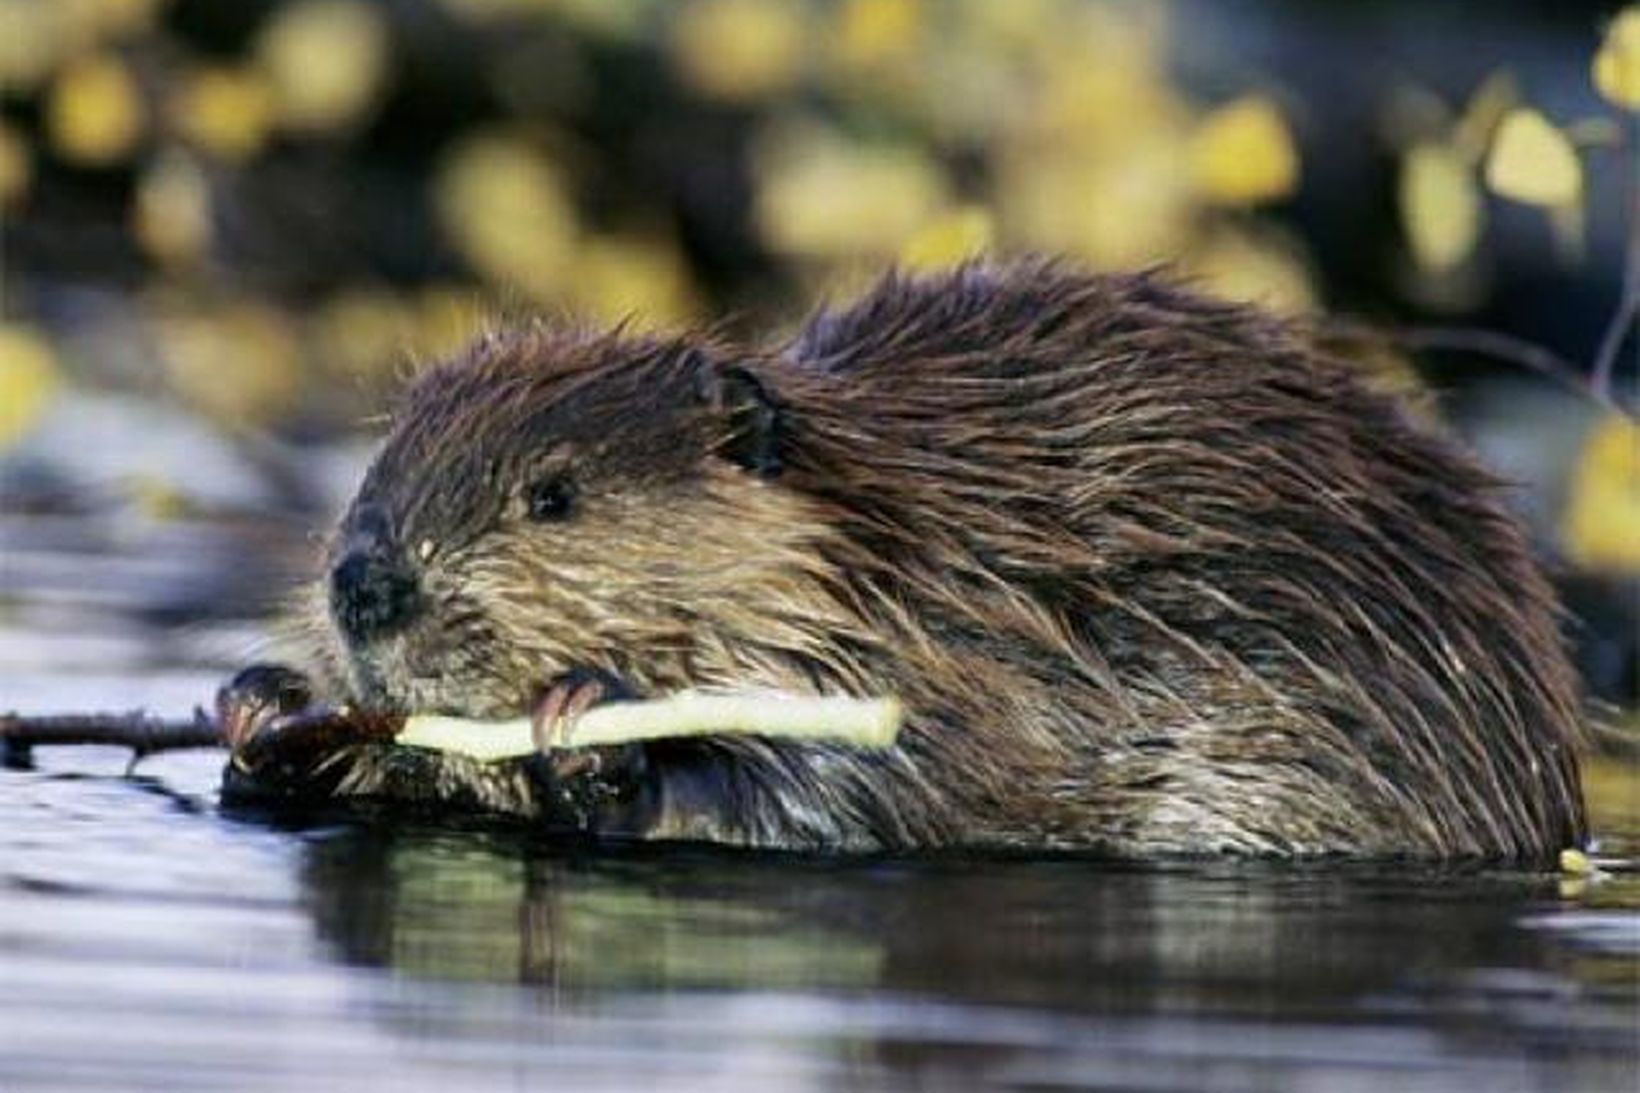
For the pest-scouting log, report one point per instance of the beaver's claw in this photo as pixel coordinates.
(588, 789)
(569, 696)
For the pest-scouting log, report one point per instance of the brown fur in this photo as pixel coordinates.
(1150, 574)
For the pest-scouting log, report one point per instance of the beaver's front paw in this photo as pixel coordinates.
(256, 697)
(603, 790)
(280, 742)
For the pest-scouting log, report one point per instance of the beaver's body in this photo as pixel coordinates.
(1149, 574)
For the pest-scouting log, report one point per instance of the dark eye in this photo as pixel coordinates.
(550, 499)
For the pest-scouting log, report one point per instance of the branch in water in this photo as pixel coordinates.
(144, 735)
(1506, 347)
(1489, 343)
(1628, 297)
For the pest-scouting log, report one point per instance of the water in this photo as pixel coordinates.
(150, 939)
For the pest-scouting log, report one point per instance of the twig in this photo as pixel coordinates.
(858, 722)
(1490, 343)
(1628, 301)
(1529, 355)
(144, 735)
(1605, 362)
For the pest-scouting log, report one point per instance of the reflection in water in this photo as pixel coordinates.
(440, 907)
(1075, 972)
(1083, 934)
(149, 942)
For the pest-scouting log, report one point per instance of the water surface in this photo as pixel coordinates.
(149, 939)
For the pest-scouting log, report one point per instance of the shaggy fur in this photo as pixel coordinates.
(1150, 574)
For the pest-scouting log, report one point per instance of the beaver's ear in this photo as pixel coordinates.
(754, 415)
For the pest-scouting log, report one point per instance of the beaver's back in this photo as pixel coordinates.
(1240, 601)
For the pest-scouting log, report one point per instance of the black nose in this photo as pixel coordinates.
(373, 595)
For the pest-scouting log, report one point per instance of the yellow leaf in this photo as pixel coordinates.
(1575, 863)
(16, 166)
(617, 20)
(155, 497)
(225, 111)
(1263, 268)
(172, 215)
(447, 318)
(877, 32)
(1017, 25)
(113, 18)
(1440, 206)
(620, 20)
(1611, 785)
(89, 22)
(740, 50)
(326, 61)
(361, 333)
(33, 38)
(1616, 67)
(240, 365)
(509, 211)
(369, 334)
(28, 380)
(36, 36)
(632, 278)
(1243, 153)
(950, 238)
(1388, 371)
(1601, 527)
(1114, 211)
(1533, 162)
(95, 111)
(822, 197)
(1488, 105)
(1102, 82)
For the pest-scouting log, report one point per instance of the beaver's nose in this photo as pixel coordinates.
(372, 594)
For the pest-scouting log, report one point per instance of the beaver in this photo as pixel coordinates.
(1152, 574)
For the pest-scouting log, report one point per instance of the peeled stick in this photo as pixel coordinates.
(857, 722)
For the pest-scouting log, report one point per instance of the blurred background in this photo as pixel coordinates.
(230, 228)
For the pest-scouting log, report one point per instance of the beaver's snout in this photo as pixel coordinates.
(373, 591)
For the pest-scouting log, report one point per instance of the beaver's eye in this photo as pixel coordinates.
(550, 499)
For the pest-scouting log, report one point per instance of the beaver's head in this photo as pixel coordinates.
(551, 503)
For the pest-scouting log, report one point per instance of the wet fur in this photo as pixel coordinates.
(1151, 574)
